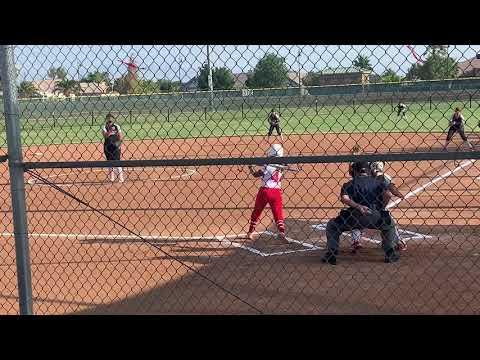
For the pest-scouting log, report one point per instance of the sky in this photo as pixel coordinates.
(182, 62)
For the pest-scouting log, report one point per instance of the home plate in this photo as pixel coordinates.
(405, 235)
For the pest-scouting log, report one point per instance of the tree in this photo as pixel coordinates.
(68, 87)
(168, 85)
(126, 84)
(27, 89)
(119, 85)
(146, 87)
(390, 76)
(270, 72)
(57, 73)
(222, 78)
(362, 63)
(97, 77)
(413, 73)
(438, 66)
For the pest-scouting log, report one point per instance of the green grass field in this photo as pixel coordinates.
(81, 128)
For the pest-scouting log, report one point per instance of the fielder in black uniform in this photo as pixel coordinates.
(365, 198)
(456, 125)
(401, 110)
(113, 137)
(274, 120)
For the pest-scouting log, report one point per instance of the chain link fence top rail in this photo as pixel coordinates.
(172, 232)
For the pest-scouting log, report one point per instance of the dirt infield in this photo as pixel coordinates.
(313, 144)
(83, 263)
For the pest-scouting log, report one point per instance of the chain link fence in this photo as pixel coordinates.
(159, 211)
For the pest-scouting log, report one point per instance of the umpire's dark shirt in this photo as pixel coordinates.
(366, 190)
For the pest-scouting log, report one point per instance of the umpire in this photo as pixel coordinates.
(365, 197)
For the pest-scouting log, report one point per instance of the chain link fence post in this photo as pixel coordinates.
(17, 181)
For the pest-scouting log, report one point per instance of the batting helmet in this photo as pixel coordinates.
(275, 150)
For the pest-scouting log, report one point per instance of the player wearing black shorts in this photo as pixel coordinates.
(457, 125)
(274, 120)
(401, 110)
(113, 137)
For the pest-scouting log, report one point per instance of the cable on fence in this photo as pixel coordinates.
(66, 193)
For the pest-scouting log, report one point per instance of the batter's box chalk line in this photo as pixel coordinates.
(223, 240)
(413, 235)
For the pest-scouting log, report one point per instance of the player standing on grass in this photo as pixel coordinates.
(274, 120)
(113, 137)
(365, 197)
(270, 192)
(402, 110)
(456, 124)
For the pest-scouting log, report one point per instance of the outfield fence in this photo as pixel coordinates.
(166, 227)
(315, 97)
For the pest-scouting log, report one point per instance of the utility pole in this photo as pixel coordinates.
(210, 79)
(299, 75)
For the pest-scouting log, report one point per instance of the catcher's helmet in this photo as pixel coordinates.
(377, 167)
(275, 150)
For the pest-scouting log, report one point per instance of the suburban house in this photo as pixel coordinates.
(343, 76)
(469, 68)
(92, 88)
(294, 79)
(46, 88)
(241, 78)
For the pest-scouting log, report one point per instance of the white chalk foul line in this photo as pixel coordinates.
(464, 163)
(33, 181)
(418, 190)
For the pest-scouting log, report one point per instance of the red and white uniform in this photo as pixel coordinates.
(270, 193)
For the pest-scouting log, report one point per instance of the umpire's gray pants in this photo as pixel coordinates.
(350, 219)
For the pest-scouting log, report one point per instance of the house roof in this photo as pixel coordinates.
(343, 70)
(45, 86)
(293, 76)
(93, 87)
(468, 65)
(240, 80)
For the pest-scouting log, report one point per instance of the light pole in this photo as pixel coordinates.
(210, 80)
(299, 75)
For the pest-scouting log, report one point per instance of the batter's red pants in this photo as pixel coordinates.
(273, 197)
